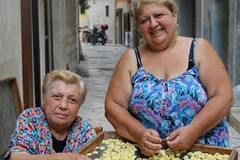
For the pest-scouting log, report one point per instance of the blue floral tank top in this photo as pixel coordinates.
(165, 105)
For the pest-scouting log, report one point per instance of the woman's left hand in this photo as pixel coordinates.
(182, 138)
(150, 142)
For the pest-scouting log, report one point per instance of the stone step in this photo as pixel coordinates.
(233, 118)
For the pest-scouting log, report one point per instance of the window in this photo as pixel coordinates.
(107, 11)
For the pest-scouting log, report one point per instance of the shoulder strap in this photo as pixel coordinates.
(139, 63)
(191, 61)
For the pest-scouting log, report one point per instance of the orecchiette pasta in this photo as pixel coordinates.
(116, 149)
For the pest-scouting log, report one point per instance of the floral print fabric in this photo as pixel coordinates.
(32, 134)
(165, 105)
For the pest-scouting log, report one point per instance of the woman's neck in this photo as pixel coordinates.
(59, 134)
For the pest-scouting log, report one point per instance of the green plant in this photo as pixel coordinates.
(83, 5)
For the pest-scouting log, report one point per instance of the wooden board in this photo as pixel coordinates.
(97, 141)
(10, 108)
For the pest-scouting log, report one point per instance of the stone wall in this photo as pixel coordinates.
(236, 93)
(65, 34)
(10, 41)
(219, 22)
(234, 42)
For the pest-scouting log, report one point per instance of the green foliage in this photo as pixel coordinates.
(83, 5)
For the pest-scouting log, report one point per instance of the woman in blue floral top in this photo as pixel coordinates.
(53, 131)
(171, 87)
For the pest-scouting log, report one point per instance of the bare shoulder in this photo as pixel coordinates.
(121, 80)
(128, 54)
(128, 61)
(204, 45)
(203, 42)
(205, 52)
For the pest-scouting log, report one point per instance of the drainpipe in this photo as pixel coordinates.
(115, 16)
(48, 18)
(77, 31)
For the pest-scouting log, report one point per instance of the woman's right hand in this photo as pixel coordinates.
(150, 143)
(74, 156)
(56, 156)
(82, 157)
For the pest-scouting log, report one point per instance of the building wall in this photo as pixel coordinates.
(65, 38)
(83, 20)
(42, 38)
(10, 41)
(222, 30)
(212, 24)
(123, 23)
(202, 19)
(124, 5)
(65, 34)
(234, 42)
(185, 17)
(10, 64)
(97, 15)
(218, 21)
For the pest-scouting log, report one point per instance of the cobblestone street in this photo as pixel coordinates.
(100, 62)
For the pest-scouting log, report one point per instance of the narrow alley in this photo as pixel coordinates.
(100, 62)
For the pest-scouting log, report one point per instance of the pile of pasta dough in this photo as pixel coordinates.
(117, 149)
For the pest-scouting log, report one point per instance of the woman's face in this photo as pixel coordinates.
(61, 104)
(156, 23)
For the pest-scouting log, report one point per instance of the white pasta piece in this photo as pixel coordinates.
(88, 154)
(95, 152)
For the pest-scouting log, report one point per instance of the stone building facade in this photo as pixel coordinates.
(37, 36)
(100, 12)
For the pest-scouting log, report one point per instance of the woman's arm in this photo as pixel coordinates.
(56, 156)
(217, 83)
(118, 96)
(117, 103)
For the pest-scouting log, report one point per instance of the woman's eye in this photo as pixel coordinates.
(56, 97)
(159, 15)
(72, 100)
(143, 21)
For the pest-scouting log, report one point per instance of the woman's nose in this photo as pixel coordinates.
(63, 103)
(153, 21)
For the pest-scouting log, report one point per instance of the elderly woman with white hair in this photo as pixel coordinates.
(53, 131)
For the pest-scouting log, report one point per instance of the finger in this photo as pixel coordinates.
(154, 137)
(82, 157)
(172, 136)
(153, 132)
(152, 146)
(174, 143)
(154, 140)
(148, 152)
